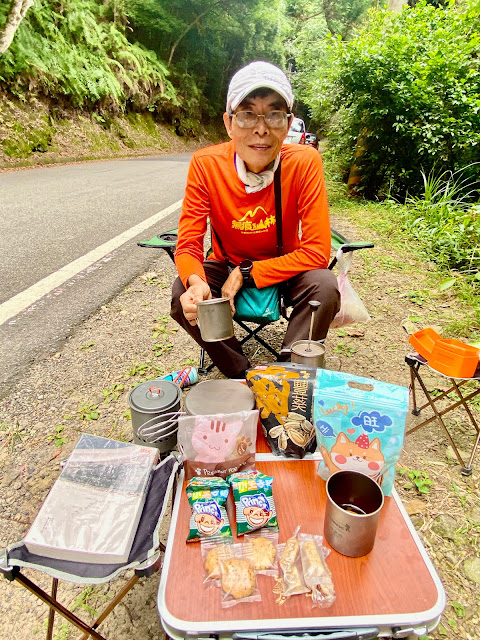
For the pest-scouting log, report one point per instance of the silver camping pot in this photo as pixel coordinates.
(155, 407)
(219, 396)
(215, 319)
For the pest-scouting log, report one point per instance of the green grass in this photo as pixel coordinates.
(379, 222)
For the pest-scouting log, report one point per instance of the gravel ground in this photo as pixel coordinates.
(131, 338)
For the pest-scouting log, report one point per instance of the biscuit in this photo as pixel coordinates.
(316, 573)
(290, 553)
(292, 580)
(261, 553)
(238, 578)
(212, 564)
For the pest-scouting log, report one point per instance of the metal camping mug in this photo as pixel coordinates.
(354, 502)
(215, 319)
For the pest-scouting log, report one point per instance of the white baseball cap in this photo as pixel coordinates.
(257, 75)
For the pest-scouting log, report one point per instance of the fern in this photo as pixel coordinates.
(73, 53)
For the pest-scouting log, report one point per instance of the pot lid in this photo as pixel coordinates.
(154, 396)
(219, 396)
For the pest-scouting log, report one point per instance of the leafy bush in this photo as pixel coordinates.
(72, 52)
(410, 85)
(447, 222)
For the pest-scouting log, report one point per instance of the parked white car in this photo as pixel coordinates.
(296, 134)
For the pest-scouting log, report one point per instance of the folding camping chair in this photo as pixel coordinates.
(415, 362)
(168, 241)
(144, 559)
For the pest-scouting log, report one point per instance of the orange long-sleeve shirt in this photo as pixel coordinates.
(245, 222)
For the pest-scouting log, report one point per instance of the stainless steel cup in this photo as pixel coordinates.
(215, 319)
(354, 502)
(308, 352)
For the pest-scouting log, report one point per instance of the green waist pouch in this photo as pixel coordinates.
(258, 305)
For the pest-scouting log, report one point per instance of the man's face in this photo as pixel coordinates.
(260, 145)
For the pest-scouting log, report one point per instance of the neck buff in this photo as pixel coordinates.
(255, 181)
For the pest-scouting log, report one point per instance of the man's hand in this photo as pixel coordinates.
(197, 291)
(232, 286)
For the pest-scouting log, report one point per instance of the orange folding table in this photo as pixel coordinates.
(394, 591)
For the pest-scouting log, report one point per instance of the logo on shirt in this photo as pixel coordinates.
(262, 222)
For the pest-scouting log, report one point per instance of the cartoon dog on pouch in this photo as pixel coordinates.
(359, 455)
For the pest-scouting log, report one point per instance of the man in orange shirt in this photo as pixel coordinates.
(232, 185)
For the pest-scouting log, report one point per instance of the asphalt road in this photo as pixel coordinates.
(68, 239)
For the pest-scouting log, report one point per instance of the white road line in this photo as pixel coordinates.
(15, 305)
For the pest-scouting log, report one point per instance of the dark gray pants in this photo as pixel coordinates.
(227, 355)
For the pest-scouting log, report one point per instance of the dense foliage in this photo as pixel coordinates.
(311, 26)
(445, 220)
(409, 86)
(172, 57)
(75, 53)
(208, 40)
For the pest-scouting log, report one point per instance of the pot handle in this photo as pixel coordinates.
(156, 421)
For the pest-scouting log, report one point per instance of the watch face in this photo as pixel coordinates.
(246, 265)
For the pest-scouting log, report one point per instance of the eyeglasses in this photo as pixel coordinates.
(273, 119)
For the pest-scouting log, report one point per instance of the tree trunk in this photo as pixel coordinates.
(355, 177)
(395, 6)
(17, 12)
(187, 29)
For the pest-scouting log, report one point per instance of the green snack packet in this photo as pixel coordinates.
(254, 504)
(209, 519)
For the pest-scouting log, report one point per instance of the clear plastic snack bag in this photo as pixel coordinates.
(238, 579)
(260, 547)
(291, 582)
(352, 308)
(316, 574)
(212, 552)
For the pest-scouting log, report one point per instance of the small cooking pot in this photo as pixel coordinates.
(155, 407)
(219, 396)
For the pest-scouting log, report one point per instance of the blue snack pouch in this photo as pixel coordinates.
(360, 424)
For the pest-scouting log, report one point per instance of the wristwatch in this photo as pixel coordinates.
(245, 269)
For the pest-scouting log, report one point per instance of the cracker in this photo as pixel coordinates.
(238, 578)
(261, 552)
(212, 562)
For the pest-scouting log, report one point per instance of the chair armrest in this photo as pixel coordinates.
(351, 246)
(166, 241)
